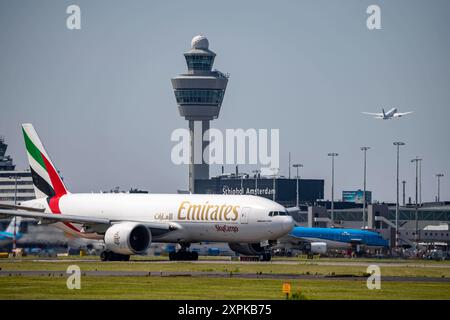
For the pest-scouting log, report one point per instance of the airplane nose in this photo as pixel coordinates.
(288, 224)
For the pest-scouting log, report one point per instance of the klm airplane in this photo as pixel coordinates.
(7, 236)
(319, 240)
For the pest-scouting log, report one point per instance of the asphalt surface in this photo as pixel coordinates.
(213, 275)
(273, 262)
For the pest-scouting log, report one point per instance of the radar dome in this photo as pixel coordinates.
(199, 42)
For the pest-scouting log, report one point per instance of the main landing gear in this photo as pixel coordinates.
(112, 256)
(266, 256)
(183, 254)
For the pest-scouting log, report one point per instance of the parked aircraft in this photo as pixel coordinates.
(7, 236)
(320, 240)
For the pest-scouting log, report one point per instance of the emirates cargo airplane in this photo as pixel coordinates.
(128, 223)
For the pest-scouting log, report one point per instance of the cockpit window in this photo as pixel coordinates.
(277, 213)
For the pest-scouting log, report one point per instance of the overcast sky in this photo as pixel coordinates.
(102, 101)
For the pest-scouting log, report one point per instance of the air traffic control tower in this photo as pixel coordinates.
(199, 95)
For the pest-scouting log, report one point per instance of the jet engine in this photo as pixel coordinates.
(318, 247)
(250, 249)
(128, 238)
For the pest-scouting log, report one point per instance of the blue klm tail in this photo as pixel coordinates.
(8, 234)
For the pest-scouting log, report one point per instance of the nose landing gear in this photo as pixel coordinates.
(112, 256)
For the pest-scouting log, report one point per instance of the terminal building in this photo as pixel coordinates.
(15, 185)
(433, 220)
(279, 189)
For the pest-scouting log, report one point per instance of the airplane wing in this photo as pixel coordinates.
(13, 206)
(297, 237)
(373, 114)
(403, 113)
(292, 209)
(52, 218)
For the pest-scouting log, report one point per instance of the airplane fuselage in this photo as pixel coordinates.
(390, 113)
(337, 238)
(195, 218)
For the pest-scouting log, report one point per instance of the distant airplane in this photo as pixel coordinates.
(393, 113)
(7, 236)
(320, 240)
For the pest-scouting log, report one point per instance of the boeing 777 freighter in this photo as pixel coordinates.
(128, 223)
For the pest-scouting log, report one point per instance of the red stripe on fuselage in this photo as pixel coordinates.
(71, 226)
(60, 190)
(53, 203)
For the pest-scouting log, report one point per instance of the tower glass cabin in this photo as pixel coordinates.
(199, 94)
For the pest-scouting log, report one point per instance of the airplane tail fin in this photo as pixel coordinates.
(10, 228)
(384, 113)
(46, 180)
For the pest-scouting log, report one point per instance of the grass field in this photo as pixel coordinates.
(117, 287)
(208, 289)
(440, 270)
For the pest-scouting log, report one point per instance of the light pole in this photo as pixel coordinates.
(289, 165)
(297, 165)
(404, 191)
(397, 144)
(15, 177)
(364, 192)
(256, 172)
(438, 176)
(420, 182)
(417, 161)
(332, 155)
(275, 170)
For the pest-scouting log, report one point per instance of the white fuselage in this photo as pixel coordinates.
(196, 218)
(391, 113)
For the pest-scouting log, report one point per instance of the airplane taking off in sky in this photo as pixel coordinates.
(7, 236)
(320, 240)
(391, 114)
(128, 223)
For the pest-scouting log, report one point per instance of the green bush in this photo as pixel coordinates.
(298, 295)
